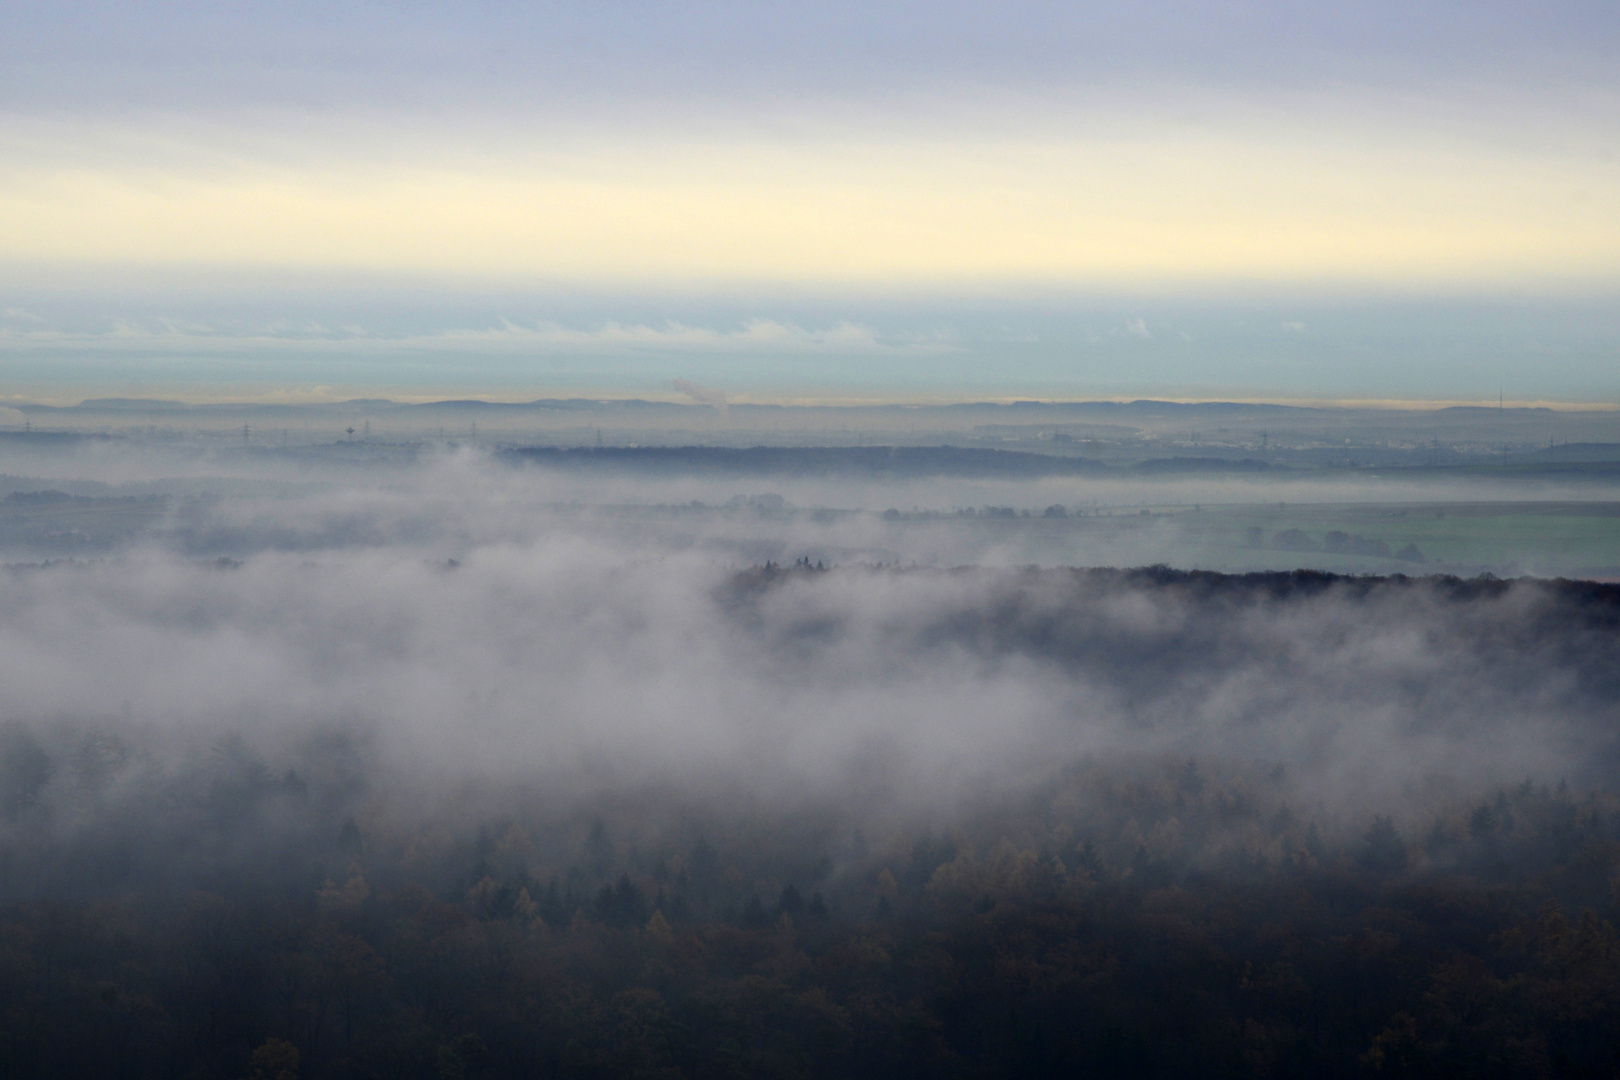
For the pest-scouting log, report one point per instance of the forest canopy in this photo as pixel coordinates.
(321, 899)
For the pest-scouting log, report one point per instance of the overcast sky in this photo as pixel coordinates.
(1418, 200)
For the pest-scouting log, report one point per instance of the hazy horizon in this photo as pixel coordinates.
(712, 539)
(893, 202)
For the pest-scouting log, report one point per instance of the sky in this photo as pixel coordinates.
(836, 201)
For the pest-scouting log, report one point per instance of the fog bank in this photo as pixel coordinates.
(451, 644)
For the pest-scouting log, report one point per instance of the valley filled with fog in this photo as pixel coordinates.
(579, 702)
(840, 541)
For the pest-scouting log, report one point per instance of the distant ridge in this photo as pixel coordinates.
(129, 403)
(1593, 602)
(1021, 409)
(888, 461)
(884, 461)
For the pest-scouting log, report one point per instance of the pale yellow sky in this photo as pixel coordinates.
(1164, 204)
(1379, 200)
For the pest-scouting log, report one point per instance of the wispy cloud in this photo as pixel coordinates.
(754, 337)
(701, 394)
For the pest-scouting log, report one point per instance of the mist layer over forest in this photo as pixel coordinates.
(450, 765)
(714, 540)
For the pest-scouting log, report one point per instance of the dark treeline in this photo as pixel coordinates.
(902, 462)
(281, 907)
(878, 461)
(1146, 920)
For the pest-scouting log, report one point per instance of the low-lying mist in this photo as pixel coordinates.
(555, 674)
(427, 764)
(118, 496)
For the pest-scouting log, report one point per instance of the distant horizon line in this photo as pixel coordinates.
(588, 402)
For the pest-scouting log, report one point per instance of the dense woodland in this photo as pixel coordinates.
(256, 912)
(1154, 920)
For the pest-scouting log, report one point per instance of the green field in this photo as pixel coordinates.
(1546, 539)
(1576, 538)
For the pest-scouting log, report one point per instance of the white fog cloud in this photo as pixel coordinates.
(579, 651)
